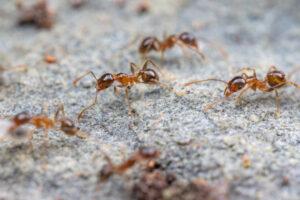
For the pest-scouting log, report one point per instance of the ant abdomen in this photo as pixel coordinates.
(105, 81)
(276, 78)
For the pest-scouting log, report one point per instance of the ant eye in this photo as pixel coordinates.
(189, 39)
(149, 75)
(275, 78)
(105, 81)
(236, 84)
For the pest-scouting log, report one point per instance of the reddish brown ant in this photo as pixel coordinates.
(39, 14)
(145, 75)
(13, 127)
(142, 154)
(184, 39)
(274, 80)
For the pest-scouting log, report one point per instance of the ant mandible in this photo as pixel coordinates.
(184, 39)
(142, 154)
(13, 127)
(274, 80)
(145, 75)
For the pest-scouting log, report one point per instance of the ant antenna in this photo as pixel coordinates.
(147, 61)
(182, 45)
(96, 96)
(82, 76)
(88, 107)
(205, 80)
(59, 110)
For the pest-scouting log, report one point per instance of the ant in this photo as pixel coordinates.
(184, 39)
(39, 14)
(13, 127)
(145, 75)
(142, 154)
(273, 81)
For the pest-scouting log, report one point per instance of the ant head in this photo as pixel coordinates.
(68, 127)
(105, 172)
(276, 78)
(148, 152)
(149, 76)
(22, 118)
(235, 85)
(148, 44)
(105, 81)
(188, 39)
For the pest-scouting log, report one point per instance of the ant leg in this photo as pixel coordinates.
(277, 99)
(86, 108)
(239, 97)
(162, 56)
(59, 110)
(145, 65)
(128, 101)
(133, 68)
(85, 74)
(196, 50)
(200, 81)
(116, 91)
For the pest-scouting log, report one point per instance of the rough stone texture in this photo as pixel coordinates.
(256, 33)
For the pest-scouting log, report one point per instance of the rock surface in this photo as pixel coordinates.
(211, 145)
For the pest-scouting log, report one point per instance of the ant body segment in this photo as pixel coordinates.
(145, 75)
(14, 127)
(273, 81)
(184, 39)
(142, 154)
